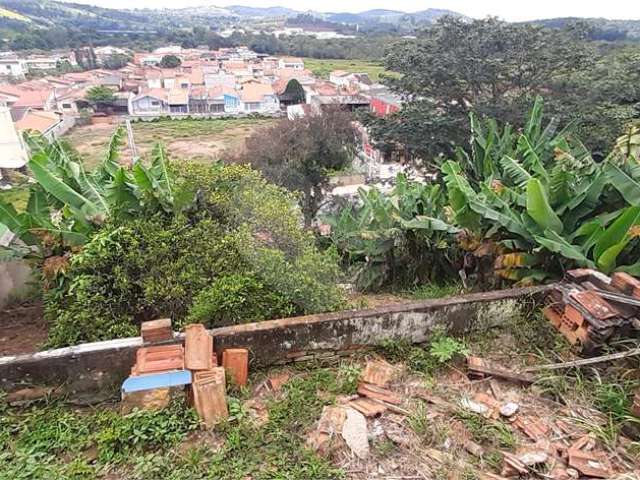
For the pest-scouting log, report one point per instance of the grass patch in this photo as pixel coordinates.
(186, 139)
(487, 432)
(323, 67)
(18, 196)
(433, 290)
(425, 359)
(51, 441)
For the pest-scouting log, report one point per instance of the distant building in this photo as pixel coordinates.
(291, 62)
(384, 102)
(12, 67)
(13, 153)
(153, 101)
(40, 63)
(48, 124)
(258, 98)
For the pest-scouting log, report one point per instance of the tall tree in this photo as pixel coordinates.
(294, 92)
(100, 94)
(488, 66)
(299, 154)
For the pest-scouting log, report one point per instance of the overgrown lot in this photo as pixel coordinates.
(188, 139)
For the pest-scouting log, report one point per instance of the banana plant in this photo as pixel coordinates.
(549, 195)
(400, 236)
(67, 204)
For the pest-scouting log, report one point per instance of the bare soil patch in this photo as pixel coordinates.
(22, 329)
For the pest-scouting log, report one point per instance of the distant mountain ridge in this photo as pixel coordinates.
(52, 13)
(44, 11)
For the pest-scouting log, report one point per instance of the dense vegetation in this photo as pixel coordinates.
(523, 205)
(121, 245)
(299, 154)
(496, 69)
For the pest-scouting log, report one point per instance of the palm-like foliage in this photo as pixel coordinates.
(67, 203)
(400, 236)
(541, 191)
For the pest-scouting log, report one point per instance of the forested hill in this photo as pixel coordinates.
(47, 24)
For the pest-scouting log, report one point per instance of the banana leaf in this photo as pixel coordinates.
(59, 189)
(515, 170)
(617, 231)
(630, 269)
(423, 222)
(531, 159)
(556, 243)
(539, 209)
(607, 261)
(109, 166)
(160, 171)
(38, 206)
(628, 187)
(120, 193)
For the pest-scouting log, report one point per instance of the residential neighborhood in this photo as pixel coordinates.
(203, 84)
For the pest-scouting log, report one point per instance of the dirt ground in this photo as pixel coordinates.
(201, 140)
(22, 329)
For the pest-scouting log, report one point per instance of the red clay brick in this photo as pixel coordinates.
(156, 330)
(553, 316)
(209, 395)
(574, 315)
(236, 362)
(367, 407)
(378, 393)
(595, 305)
(378, 372)
(159, 359)
(198, 345)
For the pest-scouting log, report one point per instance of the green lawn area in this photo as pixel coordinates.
(18, 195)
(322, 67)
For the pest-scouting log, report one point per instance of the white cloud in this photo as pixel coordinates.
(507, 9)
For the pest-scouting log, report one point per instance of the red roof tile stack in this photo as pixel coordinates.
(590, 308)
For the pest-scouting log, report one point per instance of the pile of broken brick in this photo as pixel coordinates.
(383, 406)
(590, 308)
(164, 366)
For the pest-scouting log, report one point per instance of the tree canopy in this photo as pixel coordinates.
(294, 93)
(170, 61)
(299, 154)
(100, 94)
(496, 69)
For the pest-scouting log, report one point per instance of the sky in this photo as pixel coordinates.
(512, 10)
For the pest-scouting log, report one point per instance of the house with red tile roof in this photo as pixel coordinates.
(46, 123)
(258, 98)
(150, 101)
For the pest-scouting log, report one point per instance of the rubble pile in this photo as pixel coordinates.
(590, 308)
(164, 368)
(549, 439)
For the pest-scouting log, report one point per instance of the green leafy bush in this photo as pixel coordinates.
(236, 299)
(238, 254)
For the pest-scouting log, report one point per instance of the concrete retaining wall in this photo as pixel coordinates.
(98, 366)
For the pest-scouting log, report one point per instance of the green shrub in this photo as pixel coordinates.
(239, 254)
(234, 299)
